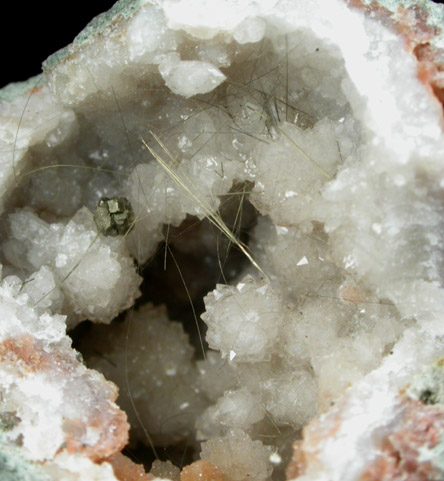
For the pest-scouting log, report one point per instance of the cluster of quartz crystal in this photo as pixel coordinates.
(293, 109)
(51, 403)
(149, 357)
(72, 266)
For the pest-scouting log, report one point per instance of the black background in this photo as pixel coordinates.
(30, 31)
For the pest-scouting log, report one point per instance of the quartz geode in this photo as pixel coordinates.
(285, 160)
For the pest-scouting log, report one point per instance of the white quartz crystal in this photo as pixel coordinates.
(244, 322)
(150, 358)
(215, 375)
(190, 77)
(285, 161)
(238, 457)
(43, 382)
(95, 274)
(26, 121)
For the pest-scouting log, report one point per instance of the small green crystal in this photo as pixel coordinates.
(114, 216)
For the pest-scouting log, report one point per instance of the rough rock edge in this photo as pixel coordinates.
(17, 89)
(416, 22)
(414, 445)
(31, 357)
(123, 9)
(411, 451)
(420, 24)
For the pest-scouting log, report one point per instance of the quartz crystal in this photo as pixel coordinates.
(244, 200)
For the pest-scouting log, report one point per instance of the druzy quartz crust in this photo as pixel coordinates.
(221, 246)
